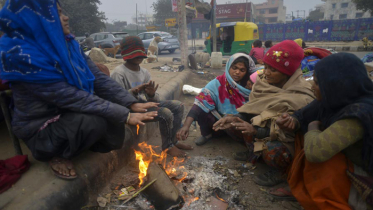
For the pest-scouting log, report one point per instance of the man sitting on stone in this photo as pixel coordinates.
(137, 81)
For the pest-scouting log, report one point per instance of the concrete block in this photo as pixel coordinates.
(216, 60)
(360, 48)
(354, 48)
(339, 48)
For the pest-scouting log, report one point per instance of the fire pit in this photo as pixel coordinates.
(183, 183)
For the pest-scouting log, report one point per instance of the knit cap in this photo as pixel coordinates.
(132, 47)
(285, 57)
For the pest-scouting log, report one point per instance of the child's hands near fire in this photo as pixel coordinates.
(151, 89)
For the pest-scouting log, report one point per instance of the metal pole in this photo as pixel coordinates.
(137, 23)
(213, 27)
(245, 11)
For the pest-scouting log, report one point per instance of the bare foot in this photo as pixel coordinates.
(175, 152)
(184, 146)
(63, 168)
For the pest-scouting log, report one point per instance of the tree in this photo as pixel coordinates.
(2, 2)
(315, 15)
(162, 10)
(116, 26)
(365, 5)
(84, 16)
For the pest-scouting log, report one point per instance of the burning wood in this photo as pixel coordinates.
(196, 180)
(163, 194)
(138, 128)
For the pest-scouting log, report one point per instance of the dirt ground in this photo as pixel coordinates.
(251, 196)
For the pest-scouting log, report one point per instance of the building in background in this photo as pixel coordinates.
(272, 11)
(143, 19)
(342, 9)
(235, 12)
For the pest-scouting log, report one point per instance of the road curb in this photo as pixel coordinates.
(337, 48)
(95, 169)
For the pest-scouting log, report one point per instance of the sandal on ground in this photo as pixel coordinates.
(241, 156)
(62, 161)
(202, 140)
(282, 193)
(270, 178)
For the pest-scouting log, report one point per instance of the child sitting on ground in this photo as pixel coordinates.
(268, 44)
(257, 52)
(137, 81)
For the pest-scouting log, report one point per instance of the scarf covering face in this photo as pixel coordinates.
(34, 48)
(347, 92)
(223, 94)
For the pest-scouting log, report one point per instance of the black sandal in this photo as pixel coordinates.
(61, 161)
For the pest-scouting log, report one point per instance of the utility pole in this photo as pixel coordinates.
(213, 26)
(183, 31)
(245, 11)
(137, 23)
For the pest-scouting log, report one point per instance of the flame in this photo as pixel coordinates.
(146, 155)
(143, 166)
(138, 128)
(220, 198)
(192, 200)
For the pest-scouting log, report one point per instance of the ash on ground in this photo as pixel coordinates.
(207, 178)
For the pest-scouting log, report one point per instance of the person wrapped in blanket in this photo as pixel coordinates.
(333, 164)
(222, 96)
(63, 104)
(312, 56)
(281, 87)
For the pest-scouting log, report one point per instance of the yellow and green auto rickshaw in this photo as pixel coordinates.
(233, 37)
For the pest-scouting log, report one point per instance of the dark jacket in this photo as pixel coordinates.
(37, 103)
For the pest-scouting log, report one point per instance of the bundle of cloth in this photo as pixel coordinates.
(367, 58)
(312, 56)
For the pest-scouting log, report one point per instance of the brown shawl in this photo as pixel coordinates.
(268, 102)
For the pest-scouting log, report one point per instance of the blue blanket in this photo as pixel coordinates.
(34, 48)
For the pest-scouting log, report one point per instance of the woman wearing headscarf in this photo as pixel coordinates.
(333, 166)
(63, 104)
(222, 96)
(281, 87)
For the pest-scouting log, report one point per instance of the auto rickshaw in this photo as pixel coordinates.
(233, 37)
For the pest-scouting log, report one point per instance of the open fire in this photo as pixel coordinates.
(174, 168)
(146, 154)
(195, 179)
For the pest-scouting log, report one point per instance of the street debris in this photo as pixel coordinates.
(187, 89)
(102, 201)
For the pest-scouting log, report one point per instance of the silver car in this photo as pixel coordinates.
(170, 43)
(108, 39)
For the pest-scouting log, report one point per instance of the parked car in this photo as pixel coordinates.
(170, 43)
(79, 38)
(108, 39)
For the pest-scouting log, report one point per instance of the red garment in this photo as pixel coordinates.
(257, 52)
(11, 170)
(318, 52)
(285, 57)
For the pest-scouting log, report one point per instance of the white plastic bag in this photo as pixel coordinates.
(187, 89)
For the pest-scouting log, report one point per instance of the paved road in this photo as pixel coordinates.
(177, 54)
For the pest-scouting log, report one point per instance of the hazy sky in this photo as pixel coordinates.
(125, 9)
